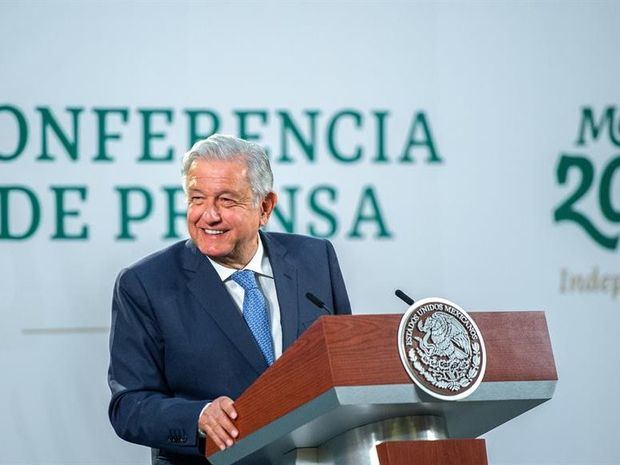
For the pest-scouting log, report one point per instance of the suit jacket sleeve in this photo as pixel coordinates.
(142, 409)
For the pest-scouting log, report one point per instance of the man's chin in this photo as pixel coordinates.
(210, 248)
(214, 253)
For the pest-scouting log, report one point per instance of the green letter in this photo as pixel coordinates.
(172, 193)
(287, 223)
(103, 135)
(243, 123)
(425, 141)
(331, 131)
(35, 217)
(587, 119)
(605, 199)
(23, 133)
(148, 135)
(48, 121)
(193, 115)
(61, 213)
(381, 155)
(288, 126)
(566, 211)
(373, 216)
(126, 216)
(323, 212)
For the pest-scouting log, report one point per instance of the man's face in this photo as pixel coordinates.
(222, 219)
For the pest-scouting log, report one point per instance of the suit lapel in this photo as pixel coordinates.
(205, 284)
(285, 276)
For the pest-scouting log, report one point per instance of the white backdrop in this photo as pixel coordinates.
(502, 86)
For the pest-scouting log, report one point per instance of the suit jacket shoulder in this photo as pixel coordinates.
(172, 258)
(315, 265)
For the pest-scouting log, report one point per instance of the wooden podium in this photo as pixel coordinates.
(340, 395)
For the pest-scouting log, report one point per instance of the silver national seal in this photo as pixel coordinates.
(441, 349)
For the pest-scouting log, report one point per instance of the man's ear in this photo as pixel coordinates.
(267, 205)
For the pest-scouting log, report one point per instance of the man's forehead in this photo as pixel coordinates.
(222, 175)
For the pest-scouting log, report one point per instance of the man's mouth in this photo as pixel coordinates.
(213, 232)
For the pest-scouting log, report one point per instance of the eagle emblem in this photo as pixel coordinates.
(444, 336)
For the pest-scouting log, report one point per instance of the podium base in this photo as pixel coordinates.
(360, 446)
(443, 452)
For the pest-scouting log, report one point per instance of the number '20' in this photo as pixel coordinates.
(567, 212)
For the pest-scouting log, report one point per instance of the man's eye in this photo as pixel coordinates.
(226, 201)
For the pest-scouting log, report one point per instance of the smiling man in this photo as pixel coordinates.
(196, 323)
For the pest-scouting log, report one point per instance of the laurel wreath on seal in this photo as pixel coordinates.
(451, 374)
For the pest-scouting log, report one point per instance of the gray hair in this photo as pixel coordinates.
(223, 147)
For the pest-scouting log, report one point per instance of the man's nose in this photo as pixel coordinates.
(211, 214)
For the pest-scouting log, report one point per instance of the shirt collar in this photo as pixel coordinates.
(259, 264)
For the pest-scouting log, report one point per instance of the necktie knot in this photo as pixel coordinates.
(245, 279)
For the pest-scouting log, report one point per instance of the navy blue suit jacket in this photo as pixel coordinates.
(178, 340)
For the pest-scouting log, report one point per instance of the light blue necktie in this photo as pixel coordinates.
(255, 312)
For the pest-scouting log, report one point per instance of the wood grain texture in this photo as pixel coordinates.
(442, 452)
(361, 350)
(518, 346)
